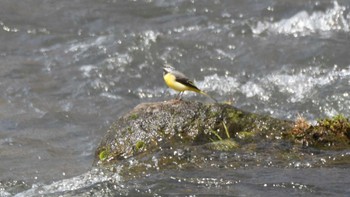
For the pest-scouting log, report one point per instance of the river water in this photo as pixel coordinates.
(70, 68)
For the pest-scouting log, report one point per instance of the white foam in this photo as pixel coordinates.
(304, 23)
(219, 84)
(82, 181)
(251, 89)
(301, 85)
(86, 70)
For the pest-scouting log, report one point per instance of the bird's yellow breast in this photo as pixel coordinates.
(172, 83)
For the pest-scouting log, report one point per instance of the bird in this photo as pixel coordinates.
(178, 81)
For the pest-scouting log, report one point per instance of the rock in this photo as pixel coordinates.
(152, 127)
(187, 134)
(329, 133)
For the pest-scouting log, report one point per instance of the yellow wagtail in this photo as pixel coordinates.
(179, 82)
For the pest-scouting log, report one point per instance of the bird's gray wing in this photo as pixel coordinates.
(186, 82)
(181, 78)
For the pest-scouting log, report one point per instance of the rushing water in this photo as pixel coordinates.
(69, 68)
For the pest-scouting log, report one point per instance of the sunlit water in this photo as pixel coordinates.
(70, 68)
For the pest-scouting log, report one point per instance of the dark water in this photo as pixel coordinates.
(69, 68)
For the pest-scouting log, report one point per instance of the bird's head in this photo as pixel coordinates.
(168, 68)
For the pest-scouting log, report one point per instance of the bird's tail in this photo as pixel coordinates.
(205, 94)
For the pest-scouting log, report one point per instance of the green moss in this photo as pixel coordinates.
(133, 116)
(327, 133)
(234, 116)
(129, 130)
(139, 145)
(226, 130)
(337, 124)
(219, 138)
(103, 155)
(216, 134)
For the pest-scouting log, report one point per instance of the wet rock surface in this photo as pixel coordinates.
(192, 127)
(181, 134)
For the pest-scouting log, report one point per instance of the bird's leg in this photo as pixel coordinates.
(178, 97)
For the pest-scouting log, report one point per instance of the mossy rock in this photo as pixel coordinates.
(151, 127)
(328, 133)
(181, 134)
